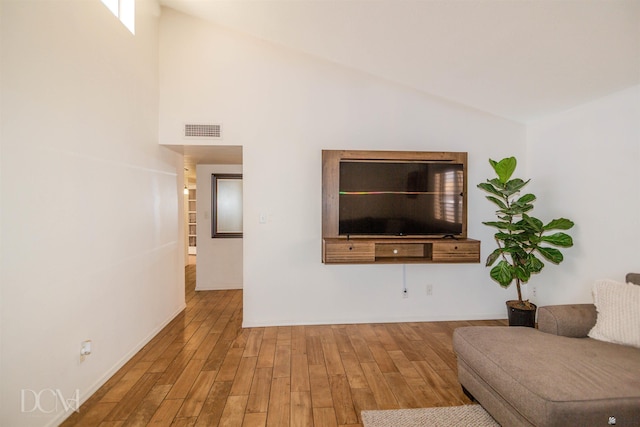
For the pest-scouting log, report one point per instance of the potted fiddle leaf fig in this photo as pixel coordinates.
(524, 242)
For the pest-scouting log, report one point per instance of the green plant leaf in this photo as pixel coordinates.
(497, 224)
(506, 237)
(502, 273)
(522, 207)
(497, 201)
(523, 274)
(512, 249)
(497, 183)
(535, 224)
(551, 254)
(504, 168)
(559, 224)
(517, 210)
(486, 186)
(559, 239)
(521, 225)
(515, 185)
(493, 257)
(524, 203)
(527, 198)
(520, 256)
(534, 264)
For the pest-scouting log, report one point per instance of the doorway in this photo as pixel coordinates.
(222, 266)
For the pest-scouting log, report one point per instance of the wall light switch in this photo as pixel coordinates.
(263, 218)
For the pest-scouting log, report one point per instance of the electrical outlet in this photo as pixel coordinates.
(429, 289)
(85, 349)
(534, 291)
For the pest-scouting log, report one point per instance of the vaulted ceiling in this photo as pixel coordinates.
(519, 59)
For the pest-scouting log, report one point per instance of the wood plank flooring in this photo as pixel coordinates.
(203, 369)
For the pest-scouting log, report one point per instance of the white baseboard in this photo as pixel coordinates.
(285, 322)
(221, 287)
(104, 378)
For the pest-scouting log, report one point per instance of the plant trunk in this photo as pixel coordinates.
(519, 290)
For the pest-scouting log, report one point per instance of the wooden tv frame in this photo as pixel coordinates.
(362, 249)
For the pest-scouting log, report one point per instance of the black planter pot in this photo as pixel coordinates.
(521, 316)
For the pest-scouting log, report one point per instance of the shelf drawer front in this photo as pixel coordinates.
(456, 251)
(399, 250)
(349, 252)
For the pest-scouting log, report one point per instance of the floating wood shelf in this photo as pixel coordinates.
(404, 251)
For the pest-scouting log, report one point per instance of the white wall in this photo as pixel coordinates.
(585, 164)
(91, 233)
(284, 108)
(219, 261)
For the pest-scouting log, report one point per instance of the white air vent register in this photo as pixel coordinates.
(203, 131)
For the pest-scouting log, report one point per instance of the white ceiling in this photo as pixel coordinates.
(206, 155)
(519, 59)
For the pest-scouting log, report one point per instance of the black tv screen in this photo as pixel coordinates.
(398, 198)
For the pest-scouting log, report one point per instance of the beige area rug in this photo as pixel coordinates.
(458, 416)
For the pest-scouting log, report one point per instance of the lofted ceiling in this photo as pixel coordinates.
(518, 59)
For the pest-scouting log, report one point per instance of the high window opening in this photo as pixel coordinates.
(125, 11)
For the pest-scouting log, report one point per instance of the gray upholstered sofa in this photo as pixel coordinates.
(551, 376)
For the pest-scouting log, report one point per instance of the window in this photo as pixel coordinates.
(125, 11)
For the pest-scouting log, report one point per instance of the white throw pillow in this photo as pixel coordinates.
(618, 306)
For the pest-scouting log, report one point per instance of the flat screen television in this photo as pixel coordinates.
(418, 198)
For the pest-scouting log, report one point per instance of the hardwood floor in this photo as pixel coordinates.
(203, 369)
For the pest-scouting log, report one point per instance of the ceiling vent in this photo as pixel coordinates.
(203, 131)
